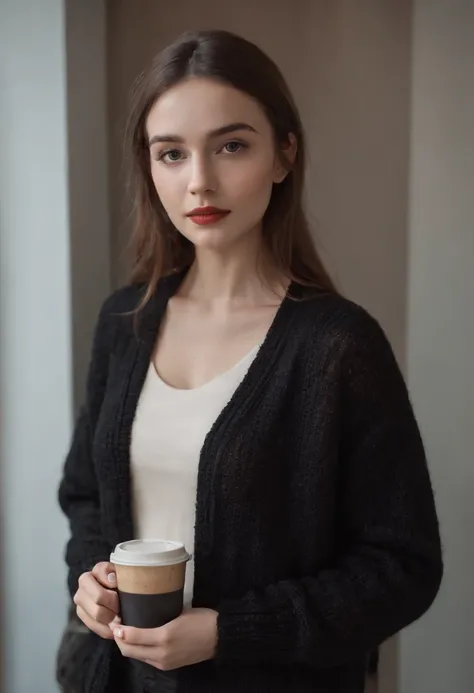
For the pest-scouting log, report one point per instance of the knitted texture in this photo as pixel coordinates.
(316, 533)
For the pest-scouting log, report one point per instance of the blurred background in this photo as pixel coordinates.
(386, 92)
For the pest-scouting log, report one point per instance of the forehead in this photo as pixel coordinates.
(194, 107)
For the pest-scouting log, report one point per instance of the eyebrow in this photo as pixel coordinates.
(224, 130)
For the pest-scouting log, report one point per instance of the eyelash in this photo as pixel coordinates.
(161, 155)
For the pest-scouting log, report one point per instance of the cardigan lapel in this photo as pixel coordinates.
(134, 365)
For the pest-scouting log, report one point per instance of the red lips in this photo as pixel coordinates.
(207, 210)
(207, 215)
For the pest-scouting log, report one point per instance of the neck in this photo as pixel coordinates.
(240, 275)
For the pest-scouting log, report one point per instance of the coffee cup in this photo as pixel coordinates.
(150, 581)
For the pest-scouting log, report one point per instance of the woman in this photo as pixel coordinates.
(236, 402)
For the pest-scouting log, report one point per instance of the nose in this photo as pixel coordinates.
(202, 177)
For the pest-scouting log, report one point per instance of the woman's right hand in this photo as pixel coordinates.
(97, 601)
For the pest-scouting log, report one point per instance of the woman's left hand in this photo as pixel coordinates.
(189, 639)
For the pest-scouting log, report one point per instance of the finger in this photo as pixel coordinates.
(96, 611)
(94, 626)
(98, 594)
(113, 624)
(142, 636)
(105, 574)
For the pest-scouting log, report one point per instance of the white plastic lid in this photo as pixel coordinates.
(149, 552)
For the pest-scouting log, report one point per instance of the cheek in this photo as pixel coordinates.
(167, 188)
(160, 181)
(252, 184)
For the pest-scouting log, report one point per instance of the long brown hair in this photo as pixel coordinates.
(157, 248)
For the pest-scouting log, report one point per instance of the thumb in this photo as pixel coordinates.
(104, 573)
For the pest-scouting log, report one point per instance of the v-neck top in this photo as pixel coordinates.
(168, 433)
(316, 535)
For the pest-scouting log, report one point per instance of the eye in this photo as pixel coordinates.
(169, 156)
(233, 147)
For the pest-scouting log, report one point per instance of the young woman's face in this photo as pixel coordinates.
(212, 146)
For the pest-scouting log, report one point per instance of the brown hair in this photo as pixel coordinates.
(157, 249)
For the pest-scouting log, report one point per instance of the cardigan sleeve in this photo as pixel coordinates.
(389, 566)
(78, 491)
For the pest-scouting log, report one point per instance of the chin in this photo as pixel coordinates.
(214, 239)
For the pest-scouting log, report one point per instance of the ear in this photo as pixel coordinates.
(285, 158)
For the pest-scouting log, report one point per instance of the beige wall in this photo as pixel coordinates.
(355, 92)
(87, 171)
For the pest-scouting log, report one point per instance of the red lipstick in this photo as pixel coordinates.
(207, 215)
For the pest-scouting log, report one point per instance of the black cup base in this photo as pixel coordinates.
(150, 610)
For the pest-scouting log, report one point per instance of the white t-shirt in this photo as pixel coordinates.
(167, 436)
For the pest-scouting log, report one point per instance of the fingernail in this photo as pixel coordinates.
(111, 577)
(118, 632)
